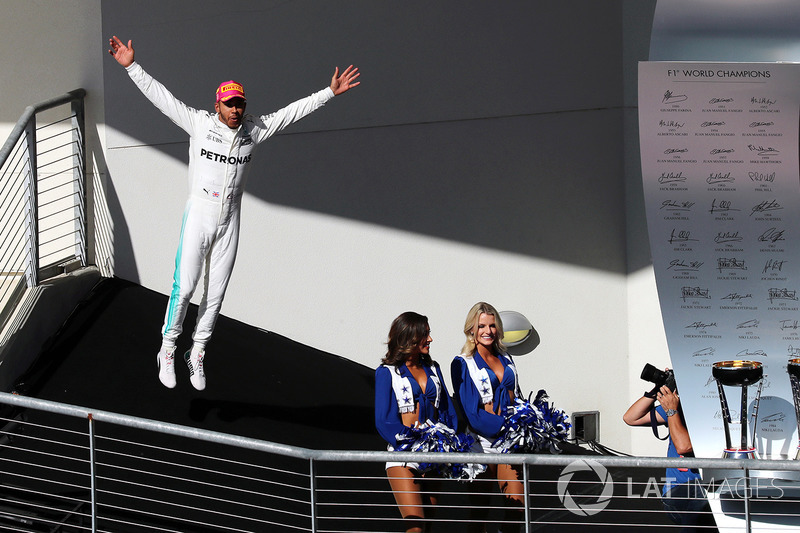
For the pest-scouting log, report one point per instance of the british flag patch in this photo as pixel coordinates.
(215, 194)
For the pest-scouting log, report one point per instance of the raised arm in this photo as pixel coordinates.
(638, 414)
(187, 118)
(344, 82)
(123, 54)
(677, 429)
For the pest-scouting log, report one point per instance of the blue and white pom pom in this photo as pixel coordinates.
(437, 437)
(532, 427)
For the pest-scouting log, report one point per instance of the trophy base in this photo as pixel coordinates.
(740, 453)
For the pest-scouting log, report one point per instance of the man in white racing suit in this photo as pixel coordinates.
(221, 146)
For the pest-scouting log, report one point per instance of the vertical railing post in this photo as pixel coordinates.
(79, 176)
(313, 498)
(92, 474)
(33, 206)
(527, 492)
(747, 524)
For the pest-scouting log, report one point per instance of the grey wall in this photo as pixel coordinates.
(494, 124)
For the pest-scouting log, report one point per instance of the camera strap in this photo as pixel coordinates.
(654, 424)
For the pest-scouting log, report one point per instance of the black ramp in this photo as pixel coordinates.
(260, 384)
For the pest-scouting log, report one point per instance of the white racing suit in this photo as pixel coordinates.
(219, 158)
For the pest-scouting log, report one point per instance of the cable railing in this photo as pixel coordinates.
(42, 196)
(67, 468)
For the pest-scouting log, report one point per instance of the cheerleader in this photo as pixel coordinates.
(411, 398)
(485, 386)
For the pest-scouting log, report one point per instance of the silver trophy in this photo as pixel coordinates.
(738, 374)
(793, 368)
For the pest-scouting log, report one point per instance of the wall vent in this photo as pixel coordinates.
(586, 426)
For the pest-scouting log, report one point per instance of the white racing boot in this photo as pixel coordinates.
(166, 366)
(194, 360)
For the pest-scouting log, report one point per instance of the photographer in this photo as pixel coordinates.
(683, 496)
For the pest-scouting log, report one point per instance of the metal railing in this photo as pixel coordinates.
(67, 468)
(42, 196)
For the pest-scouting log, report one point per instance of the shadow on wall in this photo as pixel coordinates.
(105, 213)
(498, 126)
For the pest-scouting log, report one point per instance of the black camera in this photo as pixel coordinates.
(659, 377)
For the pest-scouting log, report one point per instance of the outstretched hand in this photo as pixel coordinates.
(123, 54)
(345, 81)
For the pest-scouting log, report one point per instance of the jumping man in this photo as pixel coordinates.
(221, 145)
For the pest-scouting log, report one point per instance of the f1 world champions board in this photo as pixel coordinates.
(719, 150)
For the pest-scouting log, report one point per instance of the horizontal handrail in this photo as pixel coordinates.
(30, 111)
(376, 456)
